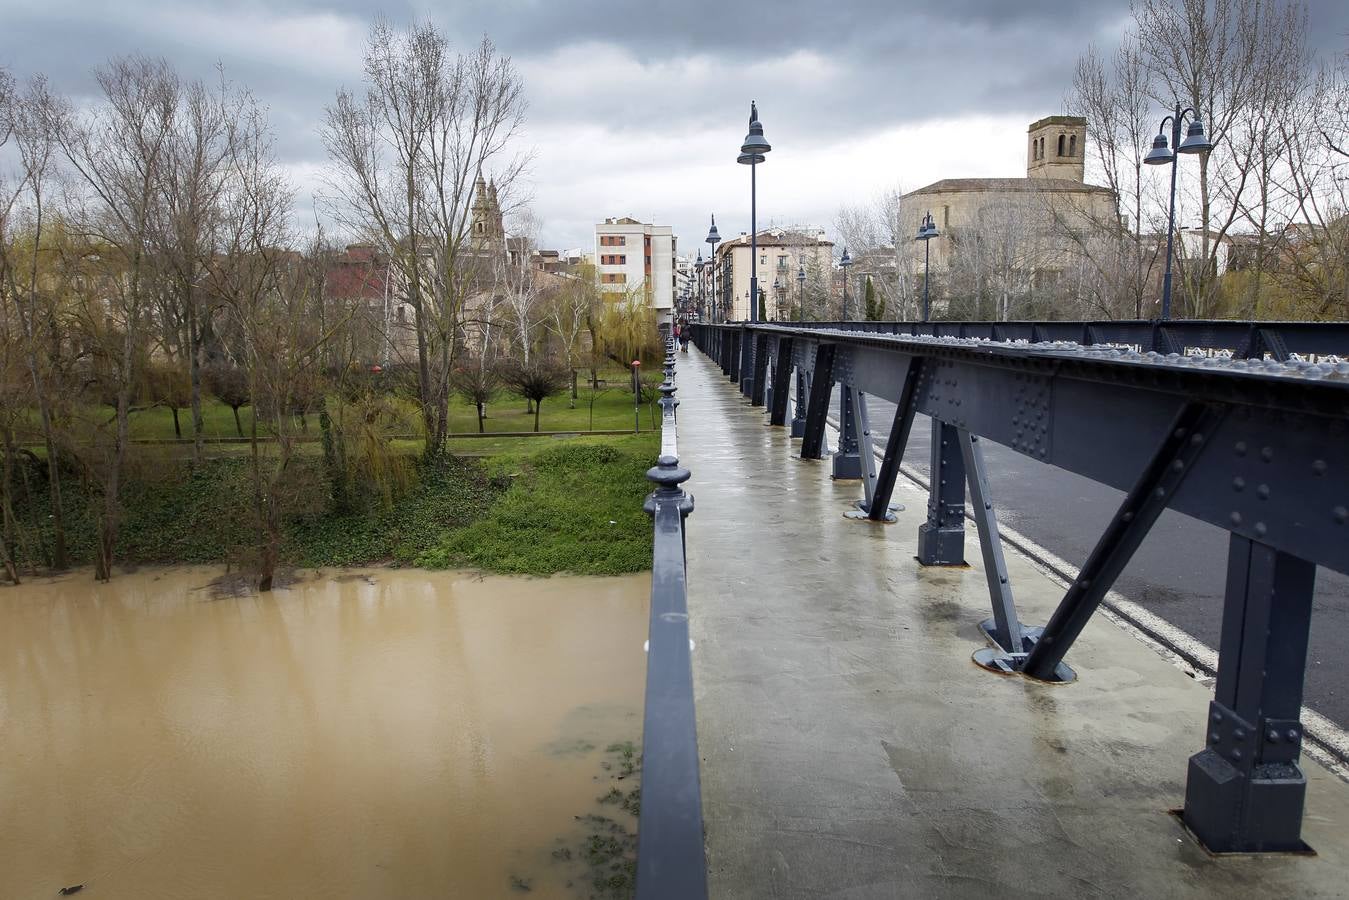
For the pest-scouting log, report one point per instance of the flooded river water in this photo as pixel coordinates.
(384, 733)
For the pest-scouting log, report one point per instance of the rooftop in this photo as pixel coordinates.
(1008, 185)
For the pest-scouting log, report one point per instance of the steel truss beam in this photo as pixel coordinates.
(1245, 440)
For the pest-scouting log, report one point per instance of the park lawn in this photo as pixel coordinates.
(612, 411)
(544, 506)
(574, 507)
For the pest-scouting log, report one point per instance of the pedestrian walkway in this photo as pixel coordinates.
(849, 746)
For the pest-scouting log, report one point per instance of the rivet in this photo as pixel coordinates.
(1241, 448)
(1266, 453)
(1319, 467)
(1273, 736)
(1160, 492)
(1260, 528)
(1236, 754)
(1341, 514)
(1235, 518)
(1179, 433)
(1262, 492)
(1215, 738)
(1239, 734)
(1197, 438)
(1217, 717)
(1127, 517)
(1292, 734)
(1238, 483)
(1177, 466)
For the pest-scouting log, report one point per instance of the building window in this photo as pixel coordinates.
(946, 217)
(613, 259)
(613, 240)
(614, 278)
(1072, 146)
(1060, 145)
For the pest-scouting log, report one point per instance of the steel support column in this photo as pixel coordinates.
(1185, 440)
(847, 464)
(941, 539)
(799, 406)
(878, 509)
(746, 362)
(1245, 791)
(1004, 628)
(782, 374)
(759, 367)
(821, 386)
(866, 457)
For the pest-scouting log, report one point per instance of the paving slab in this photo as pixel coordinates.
(850, 747)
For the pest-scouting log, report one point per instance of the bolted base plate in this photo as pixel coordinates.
(997, 660)
(798, 428)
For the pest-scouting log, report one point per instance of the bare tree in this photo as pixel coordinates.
(572, 308)
(1221, 57)
(519, 284)
(1114, 100)
(405, 155)
(27, 121)
(118, 151)
(194, 179)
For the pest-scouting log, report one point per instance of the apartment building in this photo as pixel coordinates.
(634, 259)
(782, 253)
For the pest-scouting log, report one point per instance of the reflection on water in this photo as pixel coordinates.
(377, 734)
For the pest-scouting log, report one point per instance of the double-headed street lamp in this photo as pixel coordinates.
(927, 230)
(751, 154)
(702, 294)
(843, 264)
(713, 238)
(1160, 154)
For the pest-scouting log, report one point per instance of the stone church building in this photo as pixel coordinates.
(1028, 230)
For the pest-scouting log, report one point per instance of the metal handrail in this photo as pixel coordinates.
(1245, 339)
(670, 859)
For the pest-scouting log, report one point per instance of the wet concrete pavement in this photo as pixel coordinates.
(1065, 513)
(851, 748)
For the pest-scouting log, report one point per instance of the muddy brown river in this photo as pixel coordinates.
(382, 733)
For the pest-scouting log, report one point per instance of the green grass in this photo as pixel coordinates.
(574, 507)
(536, 506)
(612, 411)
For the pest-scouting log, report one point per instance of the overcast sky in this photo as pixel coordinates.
(639, 108)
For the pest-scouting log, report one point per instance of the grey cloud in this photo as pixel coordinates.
(825, 75)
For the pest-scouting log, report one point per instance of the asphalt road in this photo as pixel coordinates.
(1178, 573)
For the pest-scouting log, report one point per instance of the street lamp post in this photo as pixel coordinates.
(713, 238)
(777, 300)
(843, 264)
(751, 154)
(1160, 154)
(702, 294)
(927, 230)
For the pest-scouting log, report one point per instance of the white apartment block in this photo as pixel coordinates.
(637, 259)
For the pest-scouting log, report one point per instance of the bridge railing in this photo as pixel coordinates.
(1244, 426)
(1242, 339)
(670, 859)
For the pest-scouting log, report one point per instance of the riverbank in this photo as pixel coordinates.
(567, 505)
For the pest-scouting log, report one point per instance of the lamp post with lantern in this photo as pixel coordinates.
(1160, 154)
